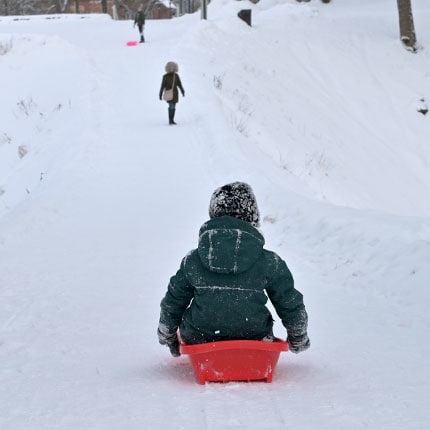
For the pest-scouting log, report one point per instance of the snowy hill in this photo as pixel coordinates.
(316, 106)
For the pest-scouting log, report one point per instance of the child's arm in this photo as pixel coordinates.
(180, 86)
(178, 297)
(288, 303)
(175, 302)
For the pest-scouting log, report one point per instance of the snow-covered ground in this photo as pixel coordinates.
(316, 106)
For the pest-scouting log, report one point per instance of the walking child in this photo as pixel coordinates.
(169, 89)
(139, 19)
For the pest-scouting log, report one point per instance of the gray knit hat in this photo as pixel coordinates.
(236, 200)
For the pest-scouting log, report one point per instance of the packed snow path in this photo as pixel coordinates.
(86, 253)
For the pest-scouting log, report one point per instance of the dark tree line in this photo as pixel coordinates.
(34, 7)
(30, 7)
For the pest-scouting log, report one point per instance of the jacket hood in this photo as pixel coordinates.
(229, 245)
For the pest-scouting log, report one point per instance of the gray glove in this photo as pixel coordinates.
(169, 339)
(298, 343)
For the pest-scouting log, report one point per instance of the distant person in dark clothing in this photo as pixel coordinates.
(169, 89)
(139, 19)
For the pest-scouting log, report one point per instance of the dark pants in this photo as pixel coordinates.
(140, 27)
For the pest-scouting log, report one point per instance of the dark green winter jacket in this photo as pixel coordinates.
(221, 288)
(171, 80)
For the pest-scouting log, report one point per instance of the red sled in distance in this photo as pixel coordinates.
(234, 360)
(132, 43)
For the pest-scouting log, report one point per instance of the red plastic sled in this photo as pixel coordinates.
(234, 360)
(132, 43)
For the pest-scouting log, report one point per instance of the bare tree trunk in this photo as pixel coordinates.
(406, 21)
(57, 5)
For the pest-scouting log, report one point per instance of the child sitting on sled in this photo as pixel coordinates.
(221, 288)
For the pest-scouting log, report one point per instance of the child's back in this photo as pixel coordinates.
(221, 288)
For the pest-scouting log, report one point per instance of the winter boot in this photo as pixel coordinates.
(141, 38)
(171, 115)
